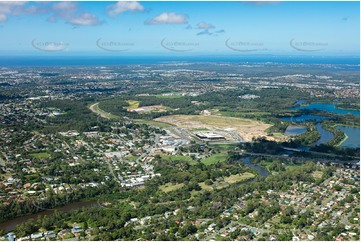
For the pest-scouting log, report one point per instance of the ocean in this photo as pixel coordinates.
(351, 63)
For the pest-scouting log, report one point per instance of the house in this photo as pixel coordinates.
(64, 233)
(272, 238)
(134, 220)
(76, 229)
(50, 235)
(10, 236)
(36, 236)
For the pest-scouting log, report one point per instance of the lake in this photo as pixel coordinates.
(293, 130)
(325, 135)
(328, 107)
(304, 118)
(353, 139)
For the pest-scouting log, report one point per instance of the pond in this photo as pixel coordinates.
(353, 136)
(328, 107)
(293, 130)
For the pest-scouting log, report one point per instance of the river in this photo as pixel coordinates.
(262, 171)
(11, 224)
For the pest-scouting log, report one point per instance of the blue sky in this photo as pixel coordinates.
(182, 28)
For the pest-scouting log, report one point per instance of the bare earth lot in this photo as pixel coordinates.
(246, 128)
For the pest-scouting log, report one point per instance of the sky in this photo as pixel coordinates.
(179, 28)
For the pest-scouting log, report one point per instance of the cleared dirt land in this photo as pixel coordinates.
(246, 128)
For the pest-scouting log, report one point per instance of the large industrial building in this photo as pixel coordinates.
(211, 136)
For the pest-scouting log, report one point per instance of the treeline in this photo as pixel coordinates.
(119, 106)
(262, 145)
(109, 224)
(77, 116)
(338, 135)
(275, 101)
(48, 201)
(310, 137)
(346, 152)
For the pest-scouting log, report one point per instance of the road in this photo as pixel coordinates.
(95, 109)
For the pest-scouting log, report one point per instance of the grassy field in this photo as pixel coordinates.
(227, 181)
(223, 146)
(239, 177)
(220, 157)
(42, 155)
(133, 104)
(179, 158)
(220, 121)
(255, 114)
(168, 187)
(95, 109)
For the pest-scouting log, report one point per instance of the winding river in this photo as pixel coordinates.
(262, 171)
(11, 224)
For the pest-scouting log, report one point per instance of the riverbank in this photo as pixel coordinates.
(351, 136)
(342, 141)
(11, 224)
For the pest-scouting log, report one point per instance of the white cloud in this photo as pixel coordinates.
(168, 18)
(204, 25)
(85, 19)
(68, 11)
(62, 10)
(208, 29)
(10, 8)
(65, 6)
(3, 18)
(121, 7)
